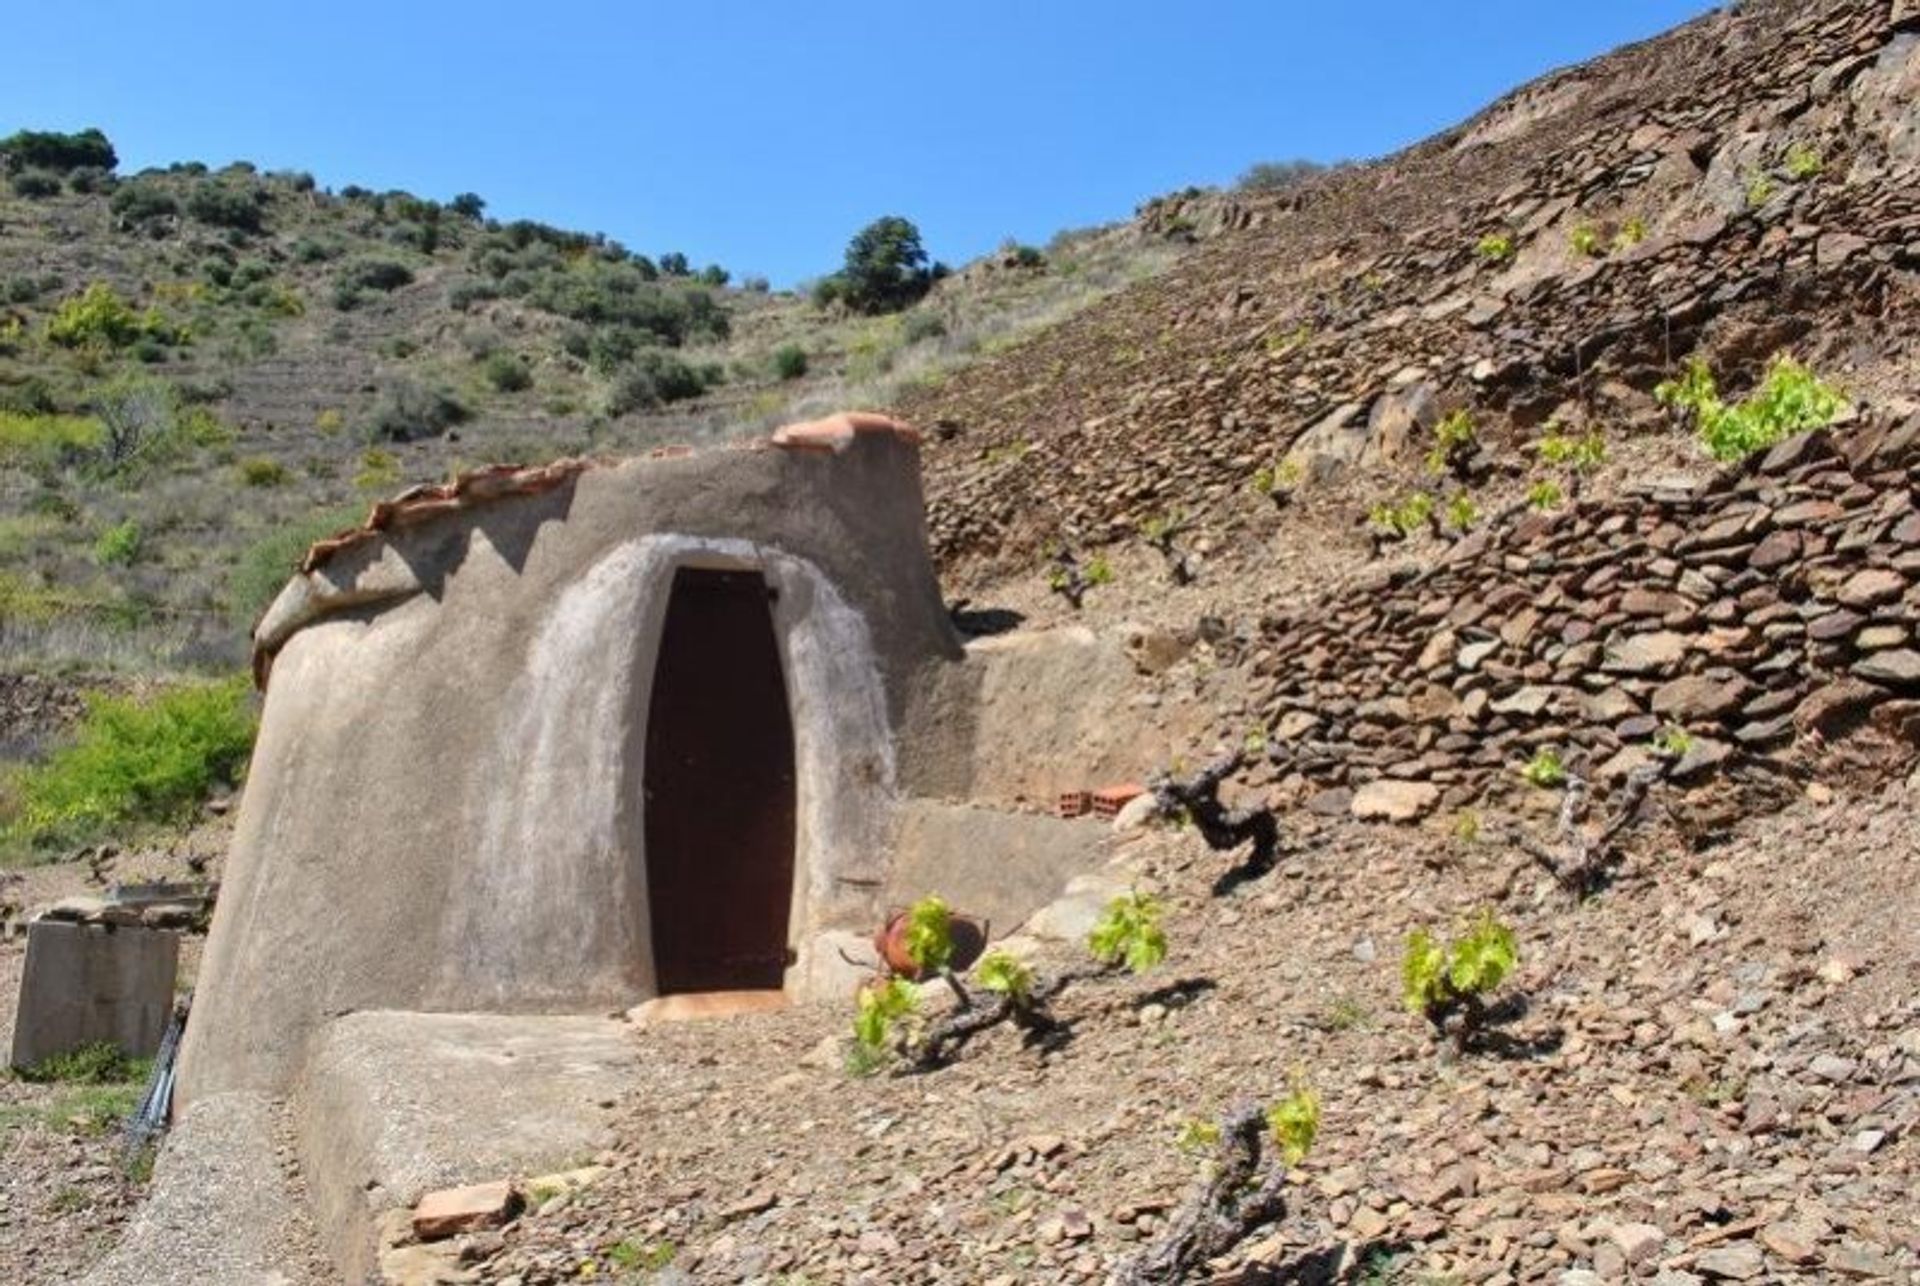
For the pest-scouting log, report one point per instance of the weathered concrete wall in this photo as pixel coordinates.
(444, 806)
(88, 983)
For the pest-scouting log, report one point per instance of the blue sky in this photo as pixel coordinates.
(763, 136)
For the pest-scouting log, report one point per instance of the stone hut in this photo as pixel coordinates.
(563, 739)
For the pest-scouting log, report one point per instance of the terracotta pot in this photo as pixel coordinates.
(890, 943)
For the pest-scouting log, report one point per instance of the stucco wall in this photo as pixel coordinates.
(444, 806)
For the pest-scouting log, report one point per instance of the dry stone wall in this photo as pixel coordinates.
(1775, 605)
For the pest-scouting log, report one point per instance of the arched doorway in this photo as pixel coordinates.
(719, 783)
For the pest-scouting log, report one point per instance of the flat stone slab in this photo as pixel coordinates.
(88, 983)
(452, 1211)
(393, 1106)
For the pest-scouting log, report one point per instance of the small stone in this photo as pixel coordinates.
(1896, 667)
(1863, 1261)
(1872, 587)
(1394, 801)
(1368, 1223)
(1698, 696)
(1737, 1262)
(1831, 1067)
(1639, 1242)
(1790, 1242)
(452, 1211)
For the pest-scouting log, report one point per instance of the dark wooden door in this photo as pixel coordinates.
(719, 789)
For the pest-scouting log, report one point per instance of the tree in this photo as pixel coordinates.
(674, 264)
(468, 205)
(886, 268)
(50, 150)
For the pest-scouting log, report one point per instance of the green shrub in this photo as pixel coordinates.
(89, 179)
(1295, 1122)
(133, 762)
(929, 938)
(652, 378)
(637, 1256)
(35, 184)
(405, 411)
(139, 202)
(1272, 480)
(1439, 980)
(1631, 233)
(379, 470)
(922, 325)
(1545, 769)
(1673, 741)
(262, 471)
(879, 1009)
(100, 1063)
(98, 317)
(1790, 400)
(507, 372)
(1275, 176)
(1759, 189)
(1802, 162)
(1462, 514)
(372, 274)
(262, 569)
(1128, 932)
(789, 361)
(1402, 518)
(118, 545)
(41, 442)
(224, 204)
(1005, 974)
(1454, 442)
(1583, 453)
(1495, 247)
(1545, 495)
(1585, 241)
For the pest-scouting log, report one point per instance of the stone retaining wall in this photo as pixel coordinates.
(1775, 603)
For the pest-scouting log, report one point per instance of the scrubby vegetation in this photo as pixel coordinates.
(133, 762)
(890, 1031)
(1791, 399)
(1448, 983)
(1239, 1193)
(1071, 579)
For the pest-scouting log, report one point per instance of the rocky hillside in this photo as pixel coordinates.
(1743, 186)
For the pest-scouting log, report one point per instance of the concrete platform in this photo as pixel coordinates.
(394, 1105)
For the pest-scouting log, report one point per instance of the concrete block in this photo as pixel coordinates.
(86, 983)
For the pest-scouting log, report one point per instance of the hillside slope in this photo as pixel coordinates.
(1741, 186)
(200, 371)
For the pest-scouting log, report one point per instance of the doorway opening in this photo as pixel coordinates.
(720, 796)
